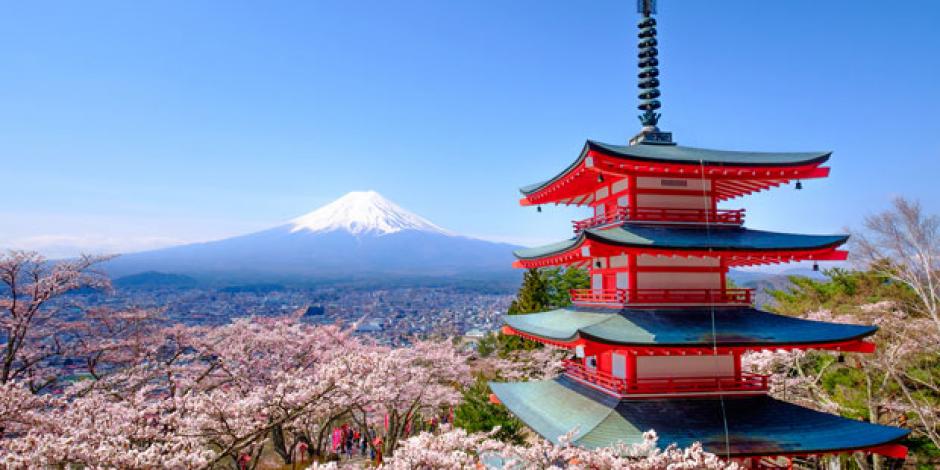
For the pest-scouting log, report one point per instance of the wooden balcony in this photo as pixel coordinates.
(623, 297)
(746, 382)
(663, 215)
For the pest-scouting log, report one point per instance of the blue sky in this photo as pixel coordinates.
(126, 125)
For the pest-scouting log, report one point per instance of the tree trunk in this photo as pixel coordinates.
(873, 415)
(280, 444)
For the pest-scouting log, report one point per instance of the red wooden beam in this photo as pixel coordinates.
(895, 451)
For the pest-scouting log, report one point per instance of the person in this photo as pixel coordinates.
(301, 451)
(243, 461)
(378, 450)
(336, 439)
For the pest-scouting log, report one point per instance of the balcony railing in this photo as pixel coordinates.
(663, 214)
(746, 382)
(619, 297)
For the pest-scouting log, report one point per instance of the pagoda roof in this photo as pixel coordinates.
(677, 154)
(688, 238)
(756, 425)
(686, 327)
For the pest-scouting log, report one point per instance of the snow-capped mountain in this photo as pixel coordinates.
(363, 212)
(359, 235)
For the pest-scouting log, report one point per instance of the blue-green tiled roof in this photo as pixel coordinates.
(757, 425)
(680, 154)
(735, 326)
(689, 238)
(539, 251)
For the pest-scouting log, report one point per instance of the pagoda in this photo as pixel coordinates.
(657, 339)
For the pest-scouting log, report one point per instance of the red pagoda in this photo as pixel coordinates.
(658, 337)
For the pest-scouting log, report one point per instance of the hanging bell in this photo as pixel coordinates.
(538, 208)
(799, 184)
(815, 266)
(600, 178)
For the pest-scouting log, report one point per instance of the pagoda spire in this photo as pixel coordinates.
(648, 56)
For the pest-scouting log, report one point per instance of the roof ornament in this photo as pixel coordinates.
(649, 82)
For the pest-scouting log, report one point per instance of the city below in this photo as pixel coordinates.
(392, 316)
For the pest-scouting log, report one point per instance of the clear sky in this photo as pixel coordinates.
(127, 125)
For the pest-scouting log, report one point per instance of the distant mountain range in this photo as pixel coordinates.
(361, 235)
(761, 282)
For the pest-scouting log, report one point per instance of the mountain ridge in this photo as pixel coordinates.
(360, 212)
(360, 235)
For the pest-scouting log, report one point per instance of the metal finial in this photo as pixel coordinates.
(646, 7)
(648, 56)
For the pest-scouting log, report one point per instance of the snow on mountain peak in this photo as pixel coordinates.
(362, 212)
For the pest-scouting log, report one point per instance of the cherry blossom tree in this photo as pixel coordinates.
(401, 385)
(456, 449)
(199, 397)
(31, 323)
(524, 364)
(889, 385)
(903, 244)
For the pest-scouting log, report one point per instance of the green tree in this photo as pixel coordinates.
(532, 296)
(842, 292)
(541, 290)
(502, 345)
(476, 414)
(560, 281)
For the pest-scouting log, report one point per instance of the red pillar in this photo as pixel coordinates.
(632, 193)
(631, 368)
(631, 269)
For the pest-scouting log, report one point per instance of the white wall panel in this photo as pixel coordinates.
(652, 260)
(647, 280)
(684, 366)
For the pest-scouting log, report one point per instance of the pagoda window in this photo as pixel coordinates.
(619, 261)
(651, 261)
(674, 201)
(660, 367)
(680, 184)
(618, 365)
(622, 280)
(679, 280)
(658, 272)
(674, 183)
(620, 186)
(673, 193)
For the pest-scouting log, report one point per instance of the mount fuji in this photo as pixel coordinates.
(361, 235)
